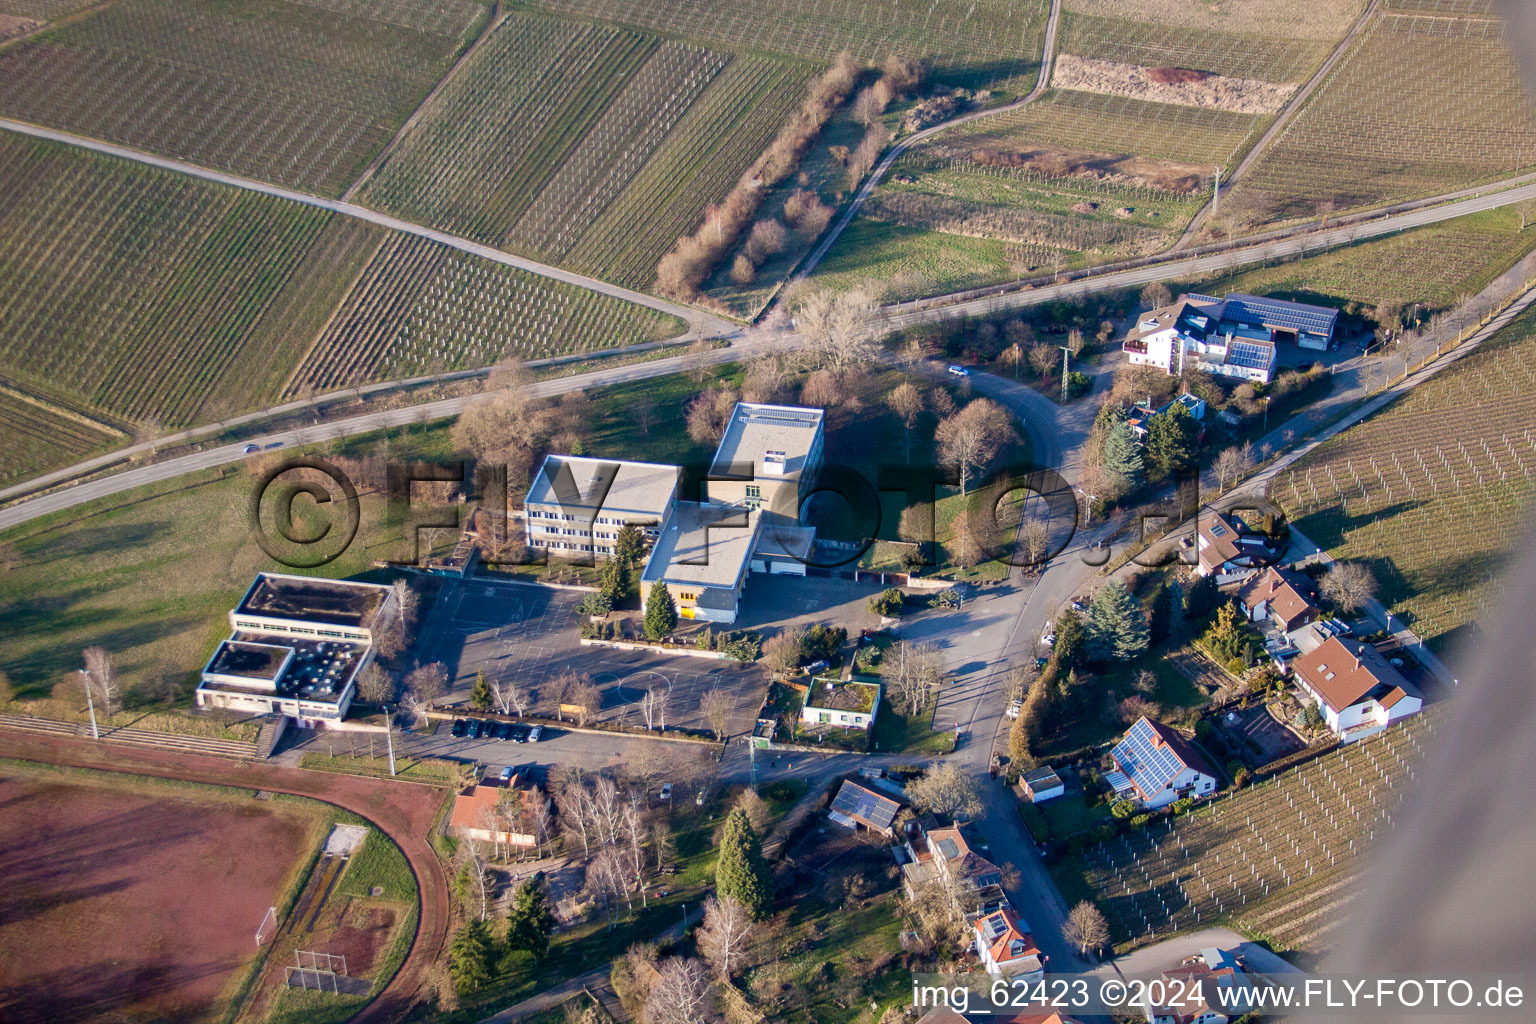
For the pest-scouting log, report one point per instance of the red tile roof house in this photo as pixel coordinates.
(504, 813)
(977, 882)
(1227, 546)
(1283, 596)
(1004, 945)
(1156, 766)
(1357, 691)
(1189, 983)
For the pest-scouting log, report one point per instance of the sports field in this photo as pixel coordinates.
(300, 93)
(136, 902)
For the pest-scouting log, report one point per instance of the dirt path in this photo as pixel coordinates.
(403, 811)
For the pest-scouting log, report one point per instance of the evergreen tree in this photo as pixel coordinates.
(1200, 597)
(480, 693)
(660, 612)
(1171, 440)
(1117, 627)
(469, 957)
(530, 922)
(1069, 639)
(614, 585)
(1165, 600)
(741, 872)
(1122, 453)
(629, 545)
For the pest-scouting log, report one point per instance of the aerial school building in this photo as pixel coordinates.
(704, 551)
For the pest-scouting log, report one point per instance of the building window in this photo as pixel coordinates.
(754, 491)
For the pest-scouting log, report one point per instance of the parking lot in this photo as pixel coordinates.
(528, 633)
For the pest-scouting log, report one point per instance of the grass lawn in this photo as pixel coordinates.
(911, 263)
(1176, 697)
(1070, 813)
(379, 863)
(896, 733)
(426, 769)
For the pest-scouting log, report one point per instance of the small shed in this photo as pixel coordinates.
(1042, 784)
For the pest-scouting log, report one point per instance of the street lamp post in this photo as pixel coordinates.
(1065, 353)
(389, 737)
(1266, 413)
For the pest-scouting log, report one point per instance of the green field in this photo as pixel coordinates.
(1420, 105)
(1433, 491)
(135, 298)
(583, 144)
(977, 43)
(301, 93)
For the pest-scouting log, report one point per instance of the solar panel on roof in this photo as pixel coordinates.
(1149, 764)
(1282, 313)
(1254, 357)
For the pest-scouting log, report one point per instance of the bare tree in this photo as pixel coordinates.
(374, 685)
(946, 790)
(781, 652)
(607, 881)
(723, 936)
(680, 994)
(716, 706)
(912, 674)
(710, 413)
(756, 810)
(101, 678)
(427, 682)
(509, 695)
(1232, 463)
(1086, 928)
(907, 403)
(1042, 358)
(841, 327)
(820, 390)
(965, 542)
(971, 438)
(1349, 585)
(1036, 537)
(586, 698)
(650, 705)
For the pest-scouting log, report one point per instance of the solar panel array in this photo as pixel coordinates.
(1249, 355)
(858, 802)
(1279, 313)
(1150, 764)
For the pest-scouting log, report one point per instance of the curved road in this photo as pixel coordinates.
(406, 812)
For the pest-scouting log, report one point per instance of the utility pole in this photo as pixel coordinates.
(85, 676)
(1216, 193)
(1065, 352)
(389, 737)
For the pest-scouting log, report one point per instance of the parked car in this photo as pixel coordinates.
(474, 729)
(503, 730)
(460, 726)
(1015, 708)
(666, 791)
(506, 774)
(519, 734)
(535, 733)
(959, 371)
(252, 448)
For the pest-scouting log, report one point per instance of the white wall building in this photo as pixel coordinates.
(1358, 692)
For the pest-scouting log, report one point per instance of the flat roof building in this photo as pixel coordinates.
(576, 505)
(296, 646)
(767, 458)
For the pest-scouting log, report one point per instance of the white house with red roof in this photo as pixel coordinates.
(1191, 982)
(1004, 945)
(1156, 766)
(1283, 596)
(1358, 692)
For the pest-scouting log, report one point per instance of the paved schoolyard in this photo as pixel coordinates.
(529, 633)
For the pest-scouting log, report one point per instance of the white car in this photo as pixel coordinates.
(666, 791)
(959, 371)
(1015, 708)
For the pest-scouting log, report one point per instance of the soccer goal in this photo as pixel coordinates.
(268, 926)
(309, 977)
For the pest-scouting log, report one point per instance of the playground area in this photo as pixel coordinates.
(133, 899)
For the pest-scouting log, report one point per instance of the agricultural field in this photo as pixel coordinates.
(299, 93)
(1276, 19)
(1431, 492)
(1373, 133)
(974, 43)
(421, 307)
(1432, 266)
(227, 302)
(1279, 860)
(1110, 33)
(585, 145)
(137, 900)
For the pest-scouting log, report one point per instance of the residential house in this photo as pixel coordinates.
(1282, 596)
(1042, 784)
(1189, 982)
(945, 854)
(848, 703)
(1141, 417)
(1156, 766)
(855, 806)
(1233, 337)
(1005, 947)
(1358, 692)
(503, 812)
(1225, 545)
